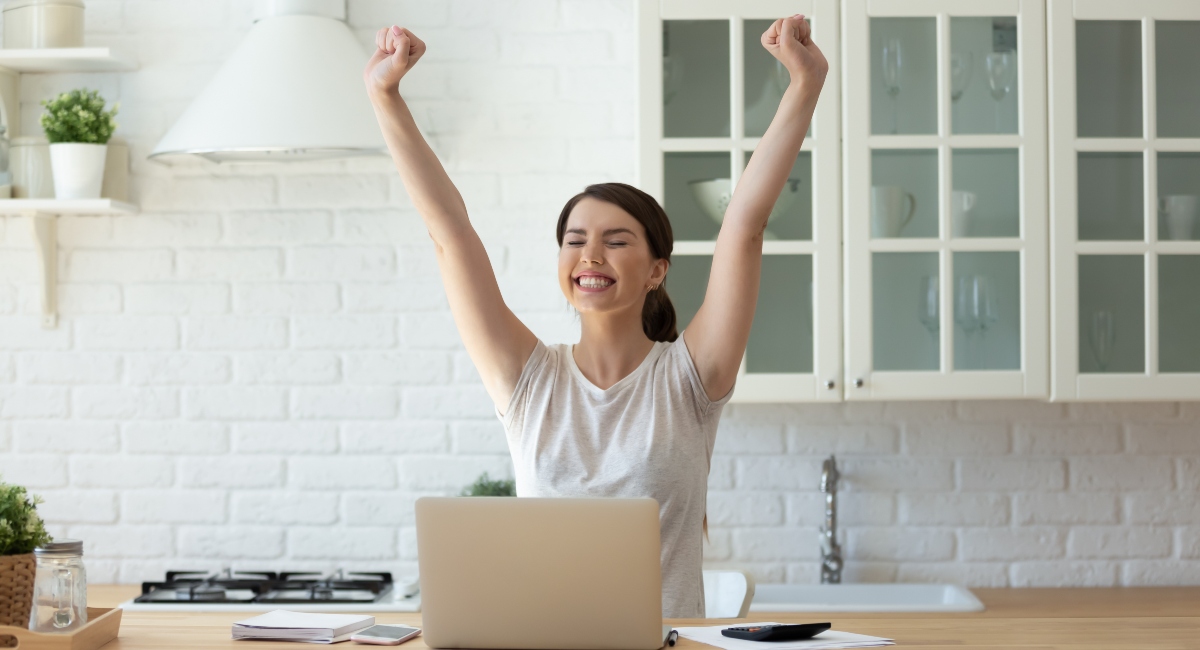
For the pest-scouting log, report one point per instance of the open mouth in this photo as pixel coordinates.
(593, 283)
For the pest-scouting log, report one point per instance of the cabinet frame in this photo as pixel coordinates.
(1030, 381)
(824, 382)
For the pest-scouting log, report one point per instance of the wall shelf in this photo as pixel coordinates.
(44, 227)
(42, 212)
(67, 59)
(66, 206)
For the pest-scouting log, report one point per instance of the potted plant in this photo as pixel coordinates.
(486, 487)
(21, 531)
(78, 129)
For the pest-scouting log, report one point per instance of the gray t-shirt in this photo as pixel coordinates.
(650, 434)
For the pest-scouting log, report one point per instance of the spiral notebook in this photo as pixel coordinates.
(306, 627)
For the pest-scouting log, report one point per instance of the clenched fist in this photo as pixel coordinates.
(397, 50)
(790, 41)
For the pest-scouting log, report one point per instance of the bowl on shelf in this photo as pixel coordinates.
(713, 196)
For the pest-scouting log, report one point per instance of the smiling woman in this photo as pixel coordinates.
(632, 409)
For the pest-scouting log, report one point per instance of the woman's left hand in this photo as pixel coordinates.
(790, 41)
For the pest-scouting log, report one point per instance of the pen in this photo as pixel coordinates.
(672, 636)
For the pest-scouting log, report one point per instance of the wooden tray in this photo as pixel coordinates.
(102, 627)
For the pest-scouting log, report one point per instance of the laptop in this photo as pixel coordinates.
(566, 573)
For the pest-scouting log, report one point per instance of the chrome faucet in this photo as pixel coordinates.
(831, 551)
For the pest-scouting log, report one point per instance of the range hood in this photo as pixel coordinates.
(291, 91)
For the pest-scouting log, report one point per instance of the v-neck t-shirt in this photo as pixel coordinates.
(651, 434)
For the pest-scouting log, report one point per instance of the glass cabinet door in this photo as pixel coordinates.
(708, 92)
(1125, 141)
(945, 224)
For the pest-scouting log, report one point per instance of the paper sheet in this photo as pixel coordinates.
(827, 640)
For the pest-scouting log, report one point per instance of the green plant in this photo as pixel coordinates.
(486, 487)
(21, 529)
(78, 116)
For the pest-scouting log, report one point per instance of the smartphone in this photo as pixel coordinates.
(385, 634)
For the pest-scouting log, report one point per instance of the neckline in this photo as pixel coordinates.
(623, 381)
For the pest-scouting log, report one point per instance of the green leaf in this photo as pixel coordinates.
(78, 116)
(486, 487)
(21, 529)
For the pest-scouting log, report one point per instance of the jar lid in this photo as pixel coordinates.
(17, 4)
(60, 548)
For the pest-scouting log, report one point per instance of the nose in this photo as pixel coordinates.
(592, 252)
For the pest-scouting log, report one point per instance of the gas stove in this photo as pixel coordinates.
(262, 591)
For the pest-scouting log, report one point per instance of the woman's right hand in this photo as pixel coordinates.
(397, 50)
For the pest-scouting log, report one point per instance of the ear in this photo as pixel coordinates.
(659, 272)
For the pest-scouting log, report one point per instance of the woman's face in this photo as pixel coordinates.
(605, 262)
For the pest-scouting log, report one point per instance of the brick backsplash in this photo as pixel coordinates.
(260, 369)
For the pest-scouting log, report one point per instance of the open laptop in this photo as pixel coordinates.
(573, 574)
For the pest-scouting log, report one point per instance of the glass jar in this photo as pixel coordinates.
(59, 587)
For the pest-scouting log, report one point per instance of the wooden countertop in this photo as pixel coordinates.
(1165, 618)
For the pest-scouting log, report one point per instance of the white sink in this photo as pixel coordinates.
(889, 597)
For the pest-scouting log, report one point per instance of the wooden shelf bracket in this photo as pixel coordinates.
(44, 227)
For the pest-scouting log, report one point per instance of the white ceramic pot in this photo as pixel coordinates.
(78, 169)
(29, 161)
(43, 23)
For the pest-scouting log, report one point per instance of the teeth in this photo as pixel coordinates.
(594, 282)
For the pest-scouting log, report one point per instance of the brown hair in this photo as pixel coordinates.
(658, 314)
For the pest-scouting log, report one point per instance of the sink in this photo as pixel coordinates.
(884, 597)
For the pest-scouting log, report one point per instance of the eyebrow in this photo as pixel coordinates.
(610, 231)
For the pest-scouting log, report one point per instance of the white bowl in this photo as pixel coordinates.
(713, 196)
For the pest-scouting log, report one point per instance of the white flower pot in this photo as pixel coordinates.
(78, 169)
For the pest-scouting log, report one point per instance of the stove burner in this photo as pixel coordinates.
(204, 591)
(229, 586)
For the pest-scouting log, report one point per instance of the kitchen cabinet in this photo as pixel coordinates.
(707, 92)
(1124, 108)
(945, 199)
(941, 227)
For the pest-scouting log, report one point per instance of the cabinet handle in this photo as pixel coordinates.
(829, 384)
(858, 383)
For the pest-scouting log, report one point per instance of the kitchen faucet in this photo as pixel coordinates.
(831, 551)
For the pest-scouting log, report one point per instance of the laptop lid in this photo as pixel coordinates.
(508, 572)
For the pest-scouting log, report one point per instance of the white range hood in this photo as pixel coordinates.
(292, 90)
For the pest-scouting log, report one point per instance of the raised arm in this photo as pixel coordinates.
(497, 341)
(718, 334)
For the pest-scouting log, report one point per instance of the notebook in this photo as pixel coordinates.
(282, 625)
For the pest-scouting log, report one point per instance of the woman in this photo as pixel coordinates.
(632, 409)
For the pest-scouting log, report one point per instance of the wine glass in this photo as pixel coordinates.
(962, 64)
(975, 308)
(672, 77)
(983, 302)
(964, 304)
(928, 306)
(1002, 71)
(891, 74)
(672, 72)
(1102, 336)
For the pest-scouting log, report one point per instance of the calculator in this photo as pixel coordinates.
(776, 632)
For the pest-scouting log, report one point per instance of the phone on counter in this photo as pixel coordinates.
(385, 634)
(776, 632)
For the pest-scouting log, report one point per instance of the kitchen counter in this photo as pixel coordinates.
(1045, 619)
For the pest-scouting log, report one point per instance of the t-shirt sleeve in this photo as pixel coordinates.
(704, 405)
(514, 413)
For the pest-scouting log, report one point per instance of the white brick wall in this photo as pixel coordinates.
(260, 367)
